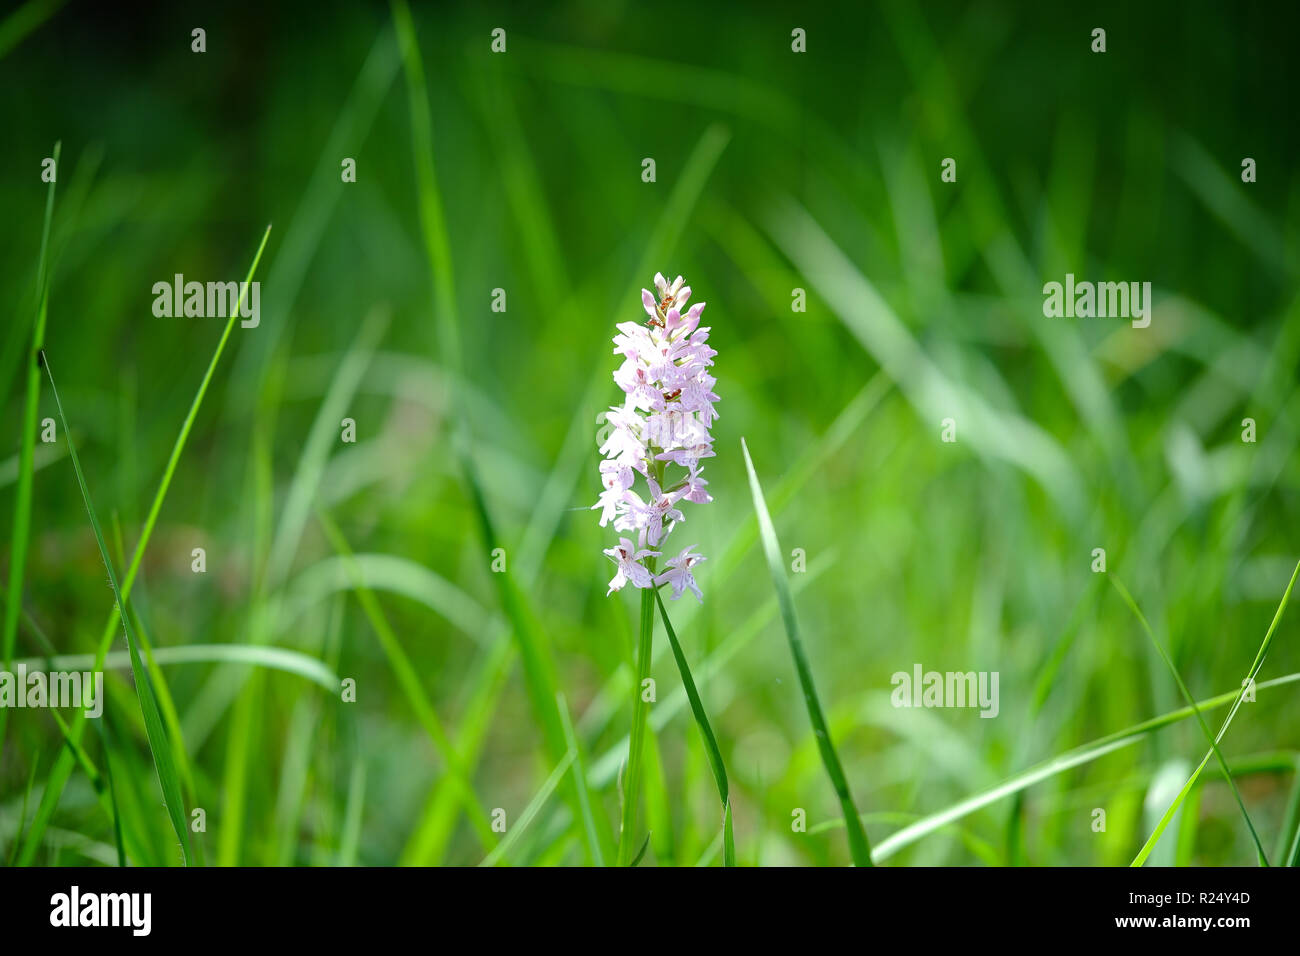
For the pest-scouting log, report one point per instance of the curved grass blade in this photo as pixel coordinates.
(1191, 702)
(859, 847)
(1085, 753)
(1239, 696)
(274, 658)
(710, 742)
(382, 572)
(157, 735)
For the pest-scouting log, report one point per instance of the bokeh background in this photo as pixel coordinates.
(774, 171)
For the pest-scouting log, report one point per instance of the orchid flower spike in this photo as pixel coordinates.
(661, 426)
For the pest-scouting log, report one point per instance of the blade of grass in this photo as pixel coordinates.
(588, 819)
(23, 497)
(432, 222)
(112, 797)
(22, 813)
(1085, 753)
(58, 778)
(101, 784)
(706, 732)
(383, 572)
(274, 658)
(640, 854)
(1168, 816)
(350, 839)
(993, 432)
(530, 812)
(166, 705)
(25, 20)
(157, 735)
(859, 847)
(1191, 702)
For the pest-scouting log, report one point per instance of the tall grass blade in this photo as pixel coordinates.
(1168, 816)
(157, 735)
(859, 848)
(23, 498)
(63, 766)
(1191, 702)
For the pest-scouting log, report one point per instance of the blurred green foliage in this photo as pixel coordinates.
(774, 171)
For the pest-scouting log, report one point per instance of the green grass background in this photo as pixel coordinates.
(775, 170)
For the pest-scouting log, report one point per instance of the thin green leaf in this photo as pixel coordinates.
(1191, 702)
(530, 812)
(711, 750)
(1085, 753)
(58, 777)
(154, 730)
(275, 658)
(859, 847)
(26, 470)
(588, 819)
(645, 845)
(1168, 816)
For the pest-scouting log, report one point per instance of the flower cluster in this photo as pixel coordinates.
(665, 375)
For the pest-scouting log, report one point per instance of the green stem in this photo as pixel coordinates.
(640, 709)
